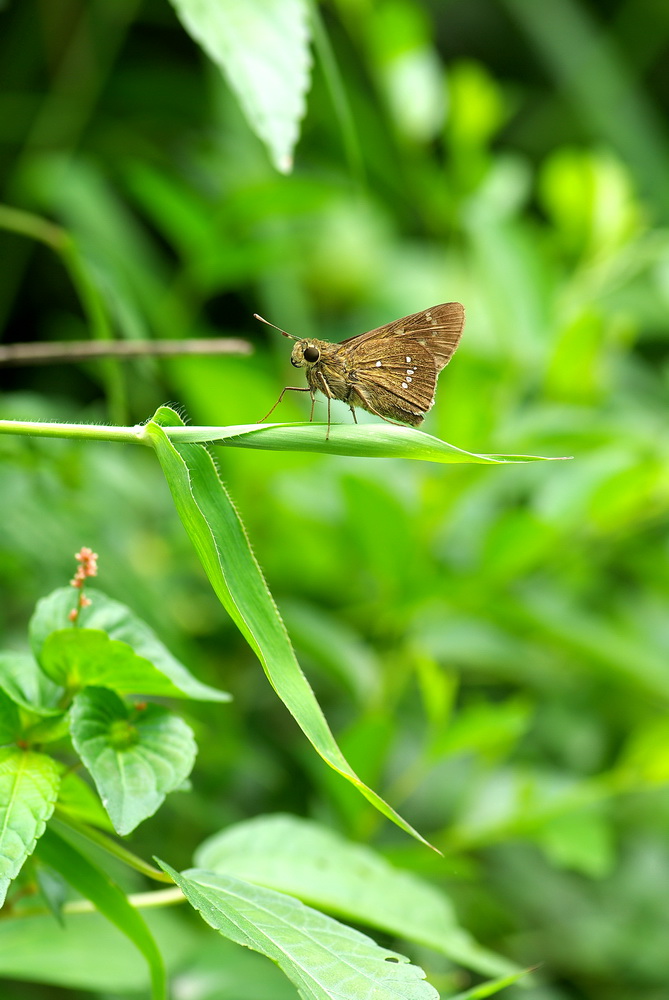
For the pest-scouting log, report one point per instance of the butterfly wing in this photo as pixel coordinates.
(394, 380)
(395, 367)
(438, 329)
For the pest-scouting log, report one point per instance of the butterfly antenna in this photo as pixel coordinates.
(289, 335)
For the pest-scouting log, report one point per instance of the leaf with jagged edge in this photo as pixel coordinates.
(326, 960)
(28, 790)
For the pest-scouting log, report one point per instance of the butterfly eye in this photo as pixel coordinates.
(311, 354)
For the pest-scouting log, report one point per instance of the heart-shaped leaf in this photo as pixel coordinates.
(135, 755)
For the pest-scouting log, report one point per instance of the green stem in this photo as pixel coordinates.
(90, 432)
(27, 224)
(140, 900)
(110, 846)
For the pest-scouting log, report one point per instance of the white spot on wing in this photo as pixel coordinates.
(409, 371)
(408, 361)
(378, 364)
(404, 385)
(408, 378)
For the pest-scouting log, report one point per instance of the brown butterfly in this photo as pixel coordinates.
(391, 371)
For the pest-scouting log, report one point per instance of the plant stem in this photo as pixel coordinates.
(74, 351)
(89, 432)
(26, 224)
(140, 900)
(109, 845)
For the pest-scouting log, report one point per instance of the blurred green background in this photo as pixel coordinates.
(490, 644)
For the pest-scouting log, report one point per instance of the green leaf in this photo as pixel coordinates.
(334, 646)
(220, 541)
(119, 622)
(262, 46)
(77, 800)
(77, 657)
(90, 953)
(304, 859)
(325, 959)
(358, 440)
(52, 729)
(27, 685)
(136, 756)
(488, 989)
(28, 790)
(582, 840)
(95, 885)
(10, 722)
(53, 890)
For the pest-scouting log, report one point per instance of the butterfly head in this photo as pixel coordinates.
(305, 353)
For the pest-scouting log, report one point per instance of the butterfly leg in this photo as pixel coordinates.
(325, 389)
(290, 388)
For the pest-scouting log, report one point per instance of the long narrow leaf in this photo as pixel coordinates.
(493, 986)
(216, 531)
(358, 440)
(95, 885)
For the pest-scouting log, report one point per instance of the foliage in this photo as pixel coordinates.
(488, 642)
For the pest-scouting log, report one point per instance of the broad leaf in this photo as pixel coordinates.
(119, 622)
(90, 953)
(136, 756)
(96, 885)
(27, 685)
(304, 859)
(262, 46)
(324, 959)
(220, 541)
(28, 790)
(78, 657)
(359, 440)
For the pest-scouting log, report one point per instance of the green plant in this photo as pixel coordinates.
(487, 644)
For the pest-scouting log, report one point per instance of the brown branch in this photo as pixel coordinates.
(73, 351)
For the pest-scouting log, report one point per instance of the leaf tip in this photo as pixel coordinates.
(284, 163)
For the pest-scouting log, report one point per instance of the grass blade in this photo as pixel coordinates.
(216, 531)
(358, 440)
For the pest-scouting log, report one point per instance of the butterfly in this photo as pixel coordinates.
(390, 371)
